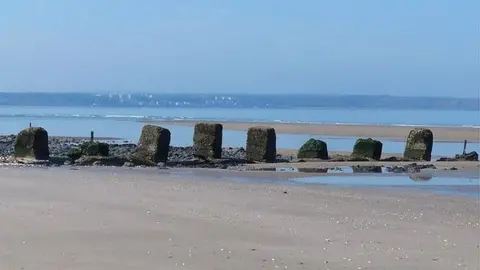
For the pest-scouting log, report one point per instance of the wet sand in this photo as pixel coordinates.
(132, 219)
(461, 166)
(441, 134)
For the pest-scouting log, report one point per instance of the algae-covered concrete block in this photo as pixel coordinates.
(313, 149)
(74, 153)
(153, 145)
(419, 144)
(367, 148)
(261, 144)
(207, 140)
(32, 143)
(95, 149)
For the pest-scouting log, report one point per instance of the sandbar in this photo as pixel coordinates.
(441, 134)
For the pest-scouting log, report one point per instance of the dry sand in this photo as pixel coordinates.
(441, 134)
(146, 219)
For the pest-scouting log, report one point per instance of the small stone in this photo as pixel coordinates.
(97, 163)
(128, 164)
(100, 161)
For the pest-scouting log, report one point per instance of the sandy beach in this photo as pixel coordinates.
(441, 134)
(57, 218)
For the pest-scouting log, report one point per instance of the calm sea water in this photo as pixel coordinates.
(124, 123)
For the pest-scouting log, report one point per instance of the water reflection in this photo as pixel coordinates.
(359, 169)
(421, 176)
(417, 179)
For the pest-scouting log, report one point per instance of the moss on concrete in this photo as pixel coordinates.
(153, 146)
(32, 143)
(367, 148)
(207, 140)
(313, 149)
(419, 145)
(95, 149)
(261, 144)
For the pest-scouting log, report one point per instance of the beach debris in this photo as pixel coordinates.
(313, 148)
(153, 146)
(89, 149)
(128, 164)
(261, 144)
(95, 149)
(367, 148)
(313, 170)
(74, 154)
(391, 159)
(472, 156)
(410, 168)
(63, 149)
(419, 144)
(367, 169)
(32, 143)
(396, 169)
(101, 161)
(207, 140)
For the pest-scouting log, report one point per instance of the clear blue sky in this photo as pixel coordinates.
(393, 47)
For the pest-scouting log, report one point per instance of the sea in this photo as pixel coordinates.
(125, 122)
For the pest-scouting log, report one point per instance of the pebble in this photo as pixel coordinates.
(178, 156)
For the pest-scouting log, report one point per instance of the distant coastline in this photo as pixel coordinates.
(247, 101)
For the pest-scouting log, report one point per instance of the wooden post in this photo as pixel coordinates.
(91, 136)
(465, 147)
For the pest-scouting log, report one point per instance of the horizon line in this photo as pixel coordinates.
(234, 94)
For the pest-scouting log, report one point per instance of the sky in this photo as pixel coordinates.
(407, 48)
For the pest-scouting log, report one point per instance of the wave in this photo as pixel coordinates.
(471, 126)
(126, 116)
